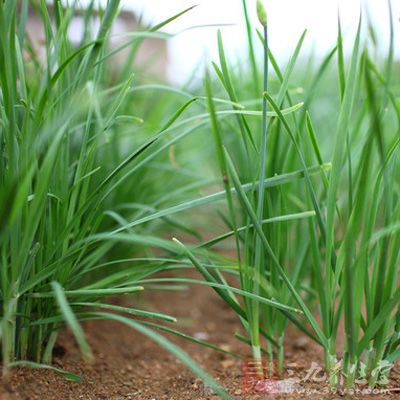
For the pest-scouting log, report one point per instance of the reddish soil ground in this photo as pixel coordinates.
(130, 366)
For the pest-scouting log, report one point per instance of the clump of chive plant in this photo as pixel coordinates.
(339, 254)
(70, 235)
(265, 285)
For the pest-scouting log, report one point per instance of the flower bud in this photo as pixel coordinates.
(261, 13)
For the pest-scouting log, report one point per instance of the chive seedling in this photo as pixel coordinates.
(68, 140)
(344, 262)
(259, 268)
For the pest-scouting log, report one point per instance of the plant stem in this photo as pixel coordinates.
(259, 257)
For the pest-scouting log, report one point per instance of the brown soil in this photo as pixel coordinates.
(130, 366)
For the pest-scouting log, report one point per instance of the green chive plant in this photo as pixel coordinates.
(317, 242)
(82, 179)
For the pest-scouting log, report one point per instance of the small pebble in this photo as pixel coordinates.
(301, 343)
